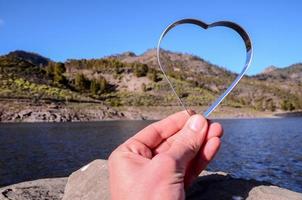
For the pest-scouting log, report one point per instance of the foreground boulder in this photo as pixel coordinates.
(91, 183)
(51, 189)
(217, 185)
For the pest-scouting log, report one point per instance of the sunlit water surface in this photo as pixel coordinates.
(262, 149)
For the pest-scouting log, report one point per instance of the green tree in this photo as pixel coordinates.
(291, 106)
(94, 87)
(81, 82)
(56, 71)
(270, 105)
(287, 105)
(98, 86)
(103, 84)
(50, 68)
(140, 70)
(118, 67)
(284, 105)
(152, 75)
(59, 70)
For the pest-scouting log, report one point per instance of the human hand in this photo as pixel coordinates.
(161, 160)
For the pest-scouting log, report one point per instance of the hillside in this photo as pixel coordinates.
(129, 80)
(292, 73)
(280, 89)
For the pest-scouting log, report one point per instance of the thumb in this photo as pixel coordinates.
(187, 144)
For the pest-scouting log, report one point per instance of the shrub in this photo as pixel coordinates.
(140, 70)
(56, 71)
(115, 102)
(259, 105)
(152, 75)
(175, 75)
(118, 69)
(270, 105)
(59, 68)
(287, 105)
(81, 82)
(98, 86)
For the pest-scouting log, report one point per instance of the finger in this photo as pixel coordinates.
(155, 133)
(187, 144)
(215, 130)
(200, 162)
(210, 149)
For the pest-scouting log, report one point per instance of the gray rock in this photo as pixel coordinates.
(272, 192)
(25, 113)
(213, 185)
(35, 190)
(57, 113)
(91, 183)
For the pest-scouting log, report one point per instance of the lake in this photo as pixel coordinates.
(262, 149)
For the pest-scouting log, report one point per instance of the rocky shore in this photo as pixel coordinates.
(91, 183)
(55, 112)
(18, 111)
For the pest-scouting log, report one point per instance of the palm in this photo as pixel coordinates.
(145, 160)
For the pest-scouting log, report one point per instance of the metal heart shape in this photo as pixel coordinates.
(228, 24)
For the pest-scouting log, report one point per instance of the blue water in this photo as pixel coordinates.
(262, 149)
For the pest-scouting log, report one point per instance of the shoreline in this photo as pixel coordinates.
(15, 111)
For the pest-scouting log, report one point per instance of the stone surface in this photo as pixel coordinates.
(26, 112)
(91, 183)
(213, 185)
(51, 189)
(272, 192)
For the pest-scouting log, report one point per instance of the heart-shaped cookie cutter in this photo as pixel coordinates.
(249, 54)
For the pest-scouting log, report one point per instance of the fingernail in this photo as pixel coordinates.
(196, 123)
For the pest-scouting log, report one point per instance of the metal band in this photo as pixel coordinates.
(249, 54)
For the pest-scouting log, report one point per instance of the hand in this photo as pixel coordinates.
(161, 160)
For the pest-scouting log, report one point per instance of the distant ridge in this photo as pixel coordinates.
(128, 79)
(291, 73)
(30, 57)
(269, 69)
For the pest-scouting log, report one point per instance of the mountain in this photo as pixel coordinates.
(21, 64)
(30, 57)
(269, 70)
(128, 79)
(290, 73)
(186, 63)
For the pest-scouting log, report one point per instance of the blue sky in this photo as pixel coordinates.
(61, 29)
